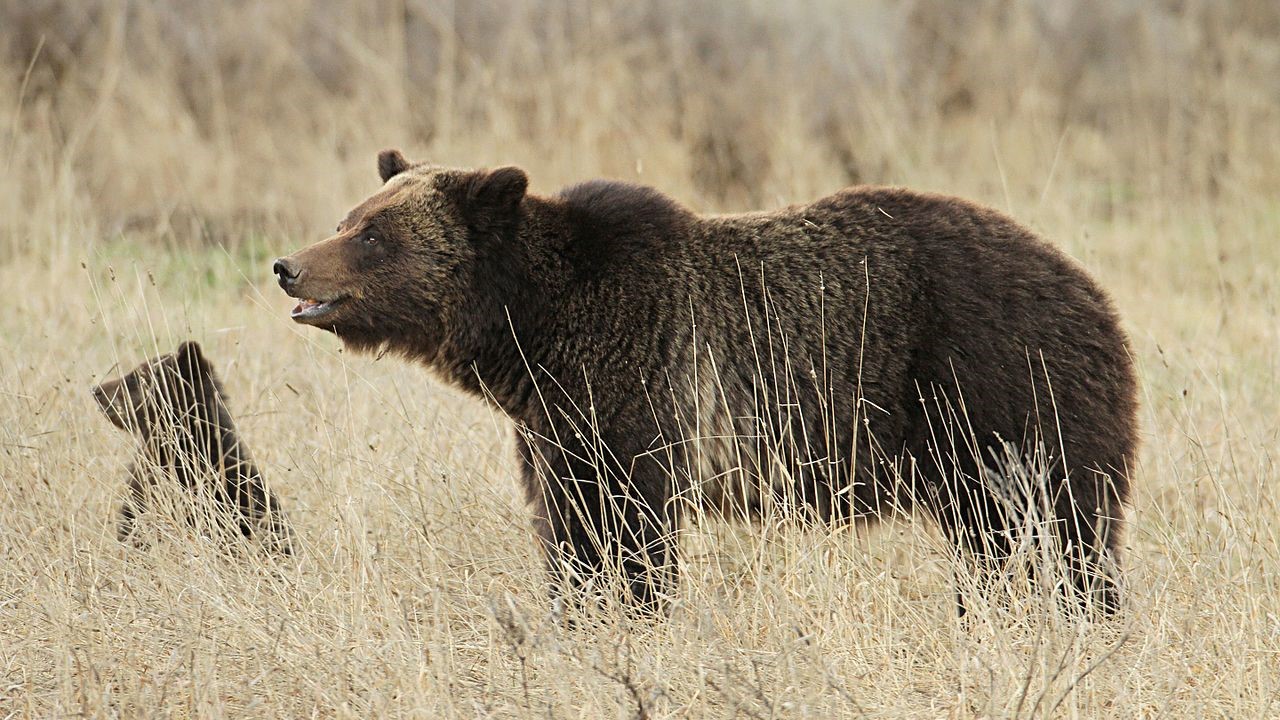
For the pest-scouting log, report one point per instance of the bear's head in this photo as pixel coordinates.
(396, 267)
(174, 388)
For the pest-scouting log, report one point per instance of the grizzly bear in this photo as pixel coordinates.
(176, 406)
(877, 351)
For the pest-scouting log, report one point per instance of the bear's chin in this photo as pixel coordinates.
(362, 341)
(357, 341)
(361, 345)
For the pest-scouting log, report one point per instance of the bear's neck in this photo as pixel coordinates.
(499, 332)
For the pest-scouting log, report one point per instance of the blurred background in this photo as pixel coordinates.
(205, 120)
(155, 155)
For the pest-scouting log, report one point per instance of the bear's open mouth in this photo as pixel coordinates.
(312, 309)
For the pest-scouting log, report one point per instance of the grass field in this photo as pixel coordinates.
(156, 156)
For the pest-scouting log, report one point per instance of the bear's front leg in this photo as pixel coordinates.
(608, 532)
(134, 505)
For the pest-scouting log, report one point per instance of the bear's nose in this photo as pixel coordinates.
(285, 272)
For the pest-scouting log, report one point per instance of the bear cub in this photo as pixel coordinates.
(176, 407)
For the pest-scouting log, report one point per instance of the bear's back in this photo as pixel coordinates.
(901, 294)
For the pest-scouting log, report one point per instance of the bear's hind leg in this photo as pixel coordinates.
(1088, 534)
(132, 506)
(978, 521)
(976, 528)
(127, 521)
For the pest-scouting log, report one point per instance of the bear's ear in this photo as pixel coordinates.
(112, 399)
(196, 369)
(390, 164)
(495, 191)
(190, 350)
(191, 362)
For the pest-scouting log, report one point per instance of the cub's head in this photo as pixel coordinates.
(175, 388)
(397, 264)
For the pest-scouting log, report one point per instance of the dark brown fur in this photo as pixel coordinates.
(176, 407)
(878, 350)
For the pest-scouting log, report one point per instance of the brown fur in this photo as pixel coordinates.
(878, 350)
(175, 405)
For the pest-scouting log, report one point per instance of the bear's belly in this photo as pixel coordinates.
(726, 477)
(742, 458)
(724, 473)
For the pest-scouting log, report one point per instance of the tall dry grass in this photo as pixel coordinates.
(155, 155)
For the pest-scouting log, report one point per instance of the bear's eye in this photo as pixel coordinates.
(370, 239)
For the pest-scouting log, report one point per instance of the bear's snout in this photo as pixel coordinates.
(286, 272)
(105, 393)
(109, 398)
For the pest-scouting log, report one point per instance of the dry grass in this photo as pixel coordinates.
(156, 154)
